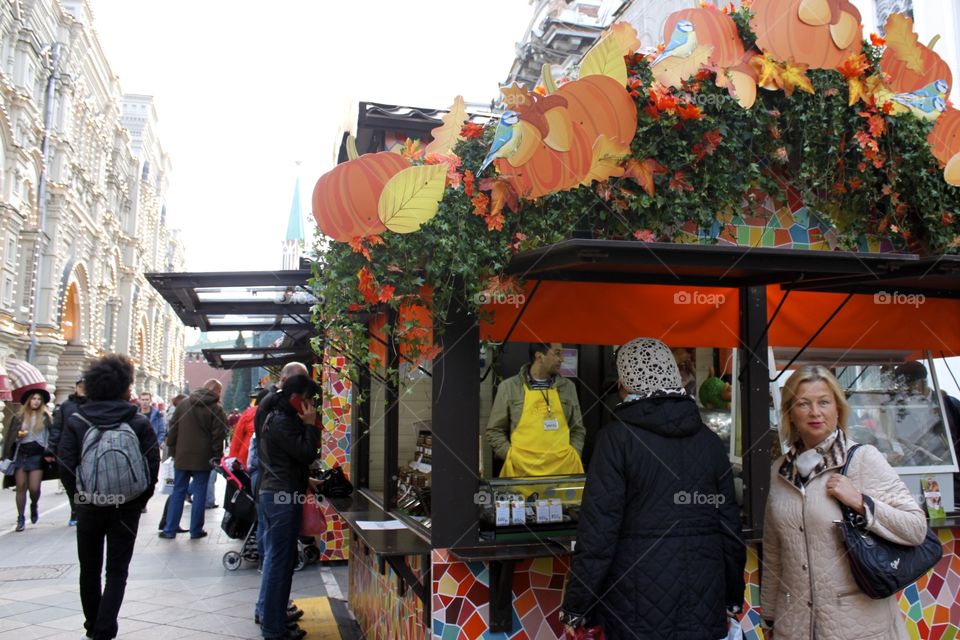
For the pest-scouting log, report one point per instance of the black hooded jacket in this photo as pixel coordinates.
(106, 412)
(60, 416)
(659, 551)
(286, 447)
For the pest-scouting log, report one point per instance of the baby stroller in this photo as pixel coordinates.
(240, 513)
(240, 519)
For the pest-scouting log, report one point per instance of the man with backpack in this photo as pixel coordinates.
(109, 462)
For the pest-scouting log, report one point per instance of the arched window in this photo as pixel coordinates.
(71, 315)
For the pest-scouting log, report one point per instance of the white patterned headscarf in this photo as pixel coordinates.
(648, 369)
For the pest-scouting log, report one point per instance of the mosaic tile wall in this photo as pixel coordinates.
(381, 613)
(460, 597)
(770, 224)
(336, 417)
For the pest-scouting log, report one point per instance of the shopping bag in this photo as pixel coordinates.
(735, 631)
(165, 482)
(314, 521)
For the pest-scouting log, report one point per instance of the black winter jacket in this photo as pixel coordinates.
(106, 412)
(286, 447)
(60, 416)
(659, 551)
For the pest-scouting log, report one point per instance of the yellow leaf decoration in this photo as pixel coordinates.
(795, 77)
(626, 37)
(561, 130)
(527, 139)
(447, 134)
(672, 71)
(546, 73)
(768, 72)
(605, 59)
(412, 197)
(607, 156)
(903, 41)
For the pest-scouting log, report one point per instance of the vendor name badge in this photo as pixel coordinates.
(550, 424)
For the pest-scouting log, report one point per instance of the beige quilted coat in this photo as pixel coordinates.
(806, 584)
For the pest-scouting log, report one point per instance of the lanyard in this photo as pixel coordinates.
(546, 399)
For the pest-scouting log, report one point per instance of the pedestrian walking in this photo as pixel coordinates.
(26, 442)
(659, 553)
(60, 416)
(109, 461)
(195, 436)
(807, 587)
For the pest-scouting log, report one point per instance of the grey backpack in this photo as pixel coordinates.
(112, 469)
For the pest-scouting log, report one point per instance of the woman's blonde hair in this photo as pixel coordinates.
(25, 411)
(805, 374)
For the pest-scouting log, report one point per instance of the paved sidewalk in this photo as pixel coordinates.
(176, 589)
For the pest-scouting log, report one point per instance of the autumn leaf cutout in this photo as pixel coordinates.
(447, 134)
(412, 197)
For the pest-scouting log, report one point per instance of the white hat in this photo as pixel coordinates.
(647, 368)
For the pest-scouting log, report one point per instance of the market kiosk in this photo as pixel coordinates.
(453, 571)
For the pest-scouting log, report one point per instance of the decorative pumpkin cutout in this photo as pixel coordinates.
(944, 142)
(549, 171)
(601, 107)
(345, 198)
(713, 28)
(913, 71)
(786, 37)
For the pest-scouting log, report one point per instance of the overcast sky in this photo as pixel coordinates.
(244, 90)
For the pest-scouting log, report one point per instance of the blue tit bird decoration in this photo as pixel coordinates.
(504, 133)
(683, 42)
(925, 102)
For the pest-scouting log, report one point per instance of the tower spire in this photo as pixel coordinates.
(293, 243)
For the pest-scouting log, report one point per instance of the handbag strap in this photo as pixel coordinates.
(846, 463)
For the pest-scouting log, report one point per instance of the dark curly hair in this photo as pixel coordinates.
(109, 378)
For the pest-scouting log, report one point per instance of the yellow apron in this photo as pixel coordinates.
(540, 445)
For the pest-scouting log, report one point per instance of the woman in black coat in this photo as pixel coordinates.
(25, 441)
(659, 551)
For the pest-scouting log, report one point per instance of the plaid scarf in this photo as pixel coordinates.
(833, 458)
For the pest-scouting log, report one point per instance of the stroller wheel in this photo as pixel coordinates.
(311, 553)
(301, 559)
(232, 560)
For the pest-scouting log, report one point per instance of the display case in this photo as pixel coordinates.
(529, 508)
(895, 405)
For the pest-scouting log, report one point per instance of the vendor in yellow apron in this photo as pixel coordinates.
(540, 443)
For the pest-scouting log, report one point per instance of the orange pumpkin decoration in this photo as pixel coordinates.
(549, 171)
(345, 198)
(903, 79)
(944, 139)
(714, 28)
(601, 106)
(782, 34)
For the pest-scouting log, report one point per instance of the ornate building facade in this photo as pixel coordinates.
(83, 178)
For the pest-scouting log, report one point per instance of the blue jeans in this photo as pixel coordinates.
(279, 518)
(198, 491)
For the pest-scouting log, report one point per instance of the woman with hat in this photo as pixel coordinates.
(25, 441)
(659, 552)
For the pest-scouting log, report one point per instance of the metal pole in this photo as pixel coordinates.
(42, 199)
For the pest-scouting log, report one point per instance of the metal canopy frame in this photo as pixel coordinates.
(628, 261)
(935, 277)
(185, 294)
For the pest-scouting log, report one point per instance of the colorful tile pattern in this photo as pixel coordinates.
(460, 599)
(336, 417)
(381, 613)
(768, 223)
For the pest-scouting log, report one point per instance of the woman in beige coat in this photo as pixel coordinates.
(807, 588)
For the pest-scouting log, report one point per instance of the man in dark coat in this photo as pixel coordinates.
(195, 436)
(659, 551)
(287, 446)
(107, 382)
(60, 416)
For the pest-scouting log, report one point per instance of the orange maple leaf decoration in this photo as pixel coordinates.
(643, 171)
(501, 195)
(854, 66)
(679, 182)
(471, 130)
(709, 145)
(367, 286)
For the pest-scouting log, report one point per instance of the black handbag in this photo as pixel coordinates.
(334, 484)
(880, 567)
